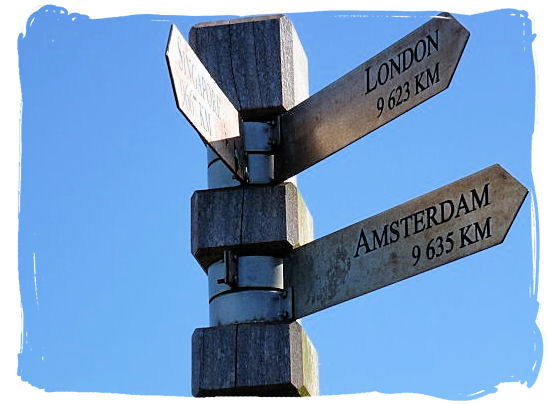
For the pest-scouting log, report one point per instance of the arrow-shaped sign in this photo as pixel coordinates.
(204, 104)
(454, 221)
(410, 71)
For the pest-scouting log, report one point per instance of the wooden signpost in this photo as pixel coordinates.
(264, 270)
(396, 80)
(401, 77)
(204, 104)
(444, 225)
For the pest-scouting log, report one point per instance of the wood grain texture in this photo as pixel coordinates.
(264, 359)
(258, 62)
(204, 104)
(214, 361)
(449, 223)
(259, 220)
(216, 217)
(267, 359)
(404, 75)
(309, 367)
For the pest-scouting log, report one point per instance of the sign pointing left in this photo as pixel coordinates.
(204, 104)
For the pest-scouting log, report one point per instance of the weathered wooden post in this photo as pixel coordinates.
(240, 233)
(242, 88)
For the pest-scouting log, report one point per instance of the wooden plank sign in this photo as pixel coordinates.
(204, 104)
(410, 71)
(444, 225)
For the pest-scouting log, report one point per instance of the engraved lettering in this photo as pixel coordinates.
(381, 80)
(377, 240)
(484, 233)
(362, 243)
(433, 43)
(479, 200)
(391, 68)
(419, 54)
(432, 216)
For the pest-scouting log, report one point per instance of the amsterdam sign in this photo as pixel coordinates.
(454, 221)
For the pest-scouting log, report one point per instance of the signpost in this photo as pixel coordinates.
(444, 225)
(259, 282)
(204, 104)
(399, 78)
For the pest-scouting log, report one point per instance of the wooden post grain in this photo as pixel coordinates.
(260, 65)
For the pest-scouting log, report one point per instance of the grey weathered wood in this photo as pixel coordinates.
(264, 358)
(258, 62)
(276, 360)
(204, 104)
(215, 223)
(260, 65)
(309, 368)
(213, 361)
(267, 359)
(380, 250)
(271, 213)
(261, 220)
(346, 110)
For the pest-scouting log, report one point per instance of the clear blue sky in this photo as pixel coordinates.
(110, 291)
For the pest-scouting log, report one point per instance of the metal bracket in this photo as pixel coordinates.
(286, 311)
(275, 132)
(231, 261)
(248, 289)
(261, 137)
(244, 164)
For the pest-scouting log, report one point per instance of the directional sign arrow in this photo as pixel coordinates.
(204, 104)
(410, 71)
(454, 221)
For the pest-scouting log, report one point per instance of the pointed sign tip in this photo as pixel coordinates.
(203, 103)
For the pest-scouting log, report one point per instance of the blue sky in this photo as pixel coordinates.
(109, 289)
